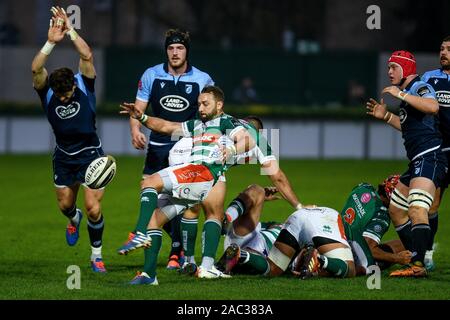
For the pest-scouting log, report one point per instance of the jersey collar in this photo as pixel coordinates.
(166, 68)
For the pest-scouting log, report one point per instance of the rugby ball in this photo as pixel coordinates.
(100, 172)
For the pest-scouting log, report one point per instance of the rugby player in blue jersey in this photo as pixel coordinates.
(68, 100)
(172, 89)
(439, 79)
(414, 194)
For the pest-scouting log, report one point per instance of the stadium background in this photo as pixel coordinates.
(312, 63)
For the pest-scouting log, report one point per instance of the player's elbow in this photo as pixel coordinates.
(87, 56)
(434, 106)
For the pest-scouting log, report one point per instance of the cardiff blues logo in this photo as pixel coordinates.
(174, 103)
(69, 111)
(188, 88)
(402, 115)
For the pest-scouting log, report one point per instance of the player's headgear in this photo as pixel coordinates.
(406, 61)
(176, 36)
(388, 185)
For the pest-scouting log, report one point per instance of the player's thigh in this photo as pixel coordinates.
(213, 205)
(92, 200)
(67, 196)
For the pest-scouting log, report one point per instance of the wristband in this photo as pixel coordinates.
(143, 118)
(401, 95)
(386, 115)
(47, 48)
(72, 34)
(390, 118)
(299, 206)
(233, 150)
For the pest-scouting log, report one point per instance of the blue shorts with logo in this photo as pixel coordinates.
(432, 165)
(70, 169)
(157, 158)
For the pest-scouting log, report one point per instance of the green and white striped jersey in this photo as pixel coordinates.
(270, 232)
(206, 140)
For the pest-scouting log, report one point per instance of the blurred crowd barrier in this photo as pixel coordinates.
(289, 139)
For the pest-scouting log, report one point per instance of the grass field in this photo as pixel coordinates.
(34, 256)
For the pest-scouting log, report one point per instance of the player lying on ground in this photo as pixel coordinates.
(270, 250)
(186, 184)
(363, 234)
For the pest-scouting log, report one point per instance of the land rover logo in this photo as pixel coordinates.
(443, 97)
(402, 115)
(174, 103)
(66, 112)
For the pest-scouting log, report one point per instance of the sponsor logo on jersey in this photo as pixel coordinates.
(67, 112)
(359, 205)
(443, 97)
(188, 88)
(205, 138)
(402, 115)
(140, 85)
(365, 197)
(174, 103)
(327, 228)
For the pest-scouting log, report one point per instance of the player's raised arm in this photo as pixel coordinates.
(153, 123)
(86, 57)
(55, 35)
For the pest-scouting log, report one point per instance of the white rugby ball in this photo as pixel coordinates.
(100, 172)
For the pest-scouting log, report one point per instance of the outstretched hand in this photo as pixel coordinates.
(270, 194)
(60, 13)
(56, 30)
(376, 109)
(129, 108)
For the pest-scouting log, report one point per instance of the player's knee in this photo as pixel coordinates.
(93, 209)
(420, 198)
(253, 195)
(65, 204)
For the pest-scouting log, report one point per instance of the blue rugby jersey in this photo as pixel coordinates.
(440, 81)
(420, 131)
(73, 123)
(172, 98)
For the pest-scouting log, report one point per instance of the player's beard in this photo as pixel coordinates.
(445, 64)
(179, 64)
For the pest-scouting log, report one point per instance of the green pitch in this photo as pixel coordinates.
(34, 256)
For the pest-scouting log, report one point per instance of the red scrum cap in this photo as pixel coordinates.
(405, 60)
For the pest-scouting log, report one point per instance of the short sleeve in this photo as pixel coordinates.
(145, 86)
(188, 128)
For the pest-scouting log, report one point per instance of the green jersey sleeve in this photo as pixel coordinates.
(188, 128)
(230, 126)
(378, 225)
